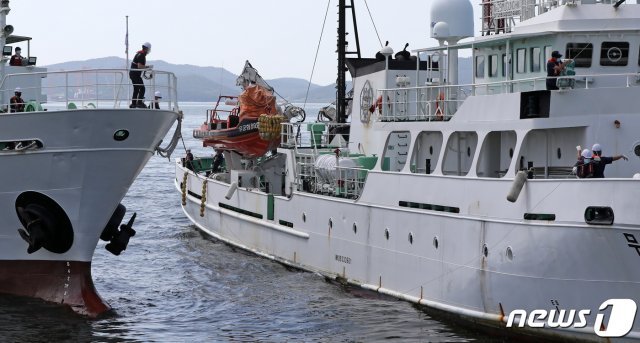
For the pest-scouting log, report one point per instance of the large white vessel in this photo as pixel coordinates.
(408, 195)
(65, 168)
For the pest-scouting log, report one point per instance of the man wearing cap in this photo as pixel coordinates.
(554, 68)
(138, 64)
(16, 60)
(600, 162)
(155, 104)
(584, 168)
(16, 102)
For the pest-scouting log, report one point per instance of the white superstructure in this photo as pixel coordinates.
(424, 215)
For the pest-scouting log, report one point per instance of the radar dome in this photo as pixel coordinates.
(456, 14)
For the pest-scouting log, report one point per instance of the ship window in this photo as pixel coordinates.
(598, 215)
(396, 152)
(456, 161)
(506, 65)
(581, 53)
(535, 60)
(493, 65)
(547, 55)
(614, 53)
(521, 56)
(426, 152)
(495, 156)
(479, 67)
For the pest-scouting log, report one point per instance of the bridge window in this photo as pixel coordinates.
(581, 53)
(535, 60)
(493, 65)
(521, 56)
(614, 53)
(506, 65)
(480, 67)
(547, 55)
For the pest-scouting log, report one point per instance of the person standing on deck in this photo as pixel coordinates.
(155, 104)
(16, 102)
(600, 162)
(17, 59)
(135, 74)
(554, 68)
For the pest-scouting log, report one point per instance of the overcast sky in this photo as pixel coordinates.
(279, 37)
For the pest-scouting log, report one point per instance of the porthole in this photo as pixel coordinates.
(386, 233)
(509, 254)
(410, 237)
(485, 250)
(355, 228)
(559, 153)
(599, 215)
(121, 135)
(304, 217)
(636, 150)
(435, 242)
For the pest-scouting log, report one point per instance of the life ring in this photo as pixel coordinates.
(378, 105)
(439, 106)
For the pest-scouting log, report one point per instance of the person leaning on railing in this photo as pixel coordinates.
(554, 69)
(16, 102)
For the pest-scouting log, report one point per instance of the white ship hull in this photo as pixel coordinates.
(528, 264)
(87, 173)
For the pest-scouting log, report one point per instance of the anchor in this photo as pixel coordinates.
(121, 237)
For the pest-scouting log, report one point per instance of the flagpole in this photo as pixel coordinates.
(126, 44)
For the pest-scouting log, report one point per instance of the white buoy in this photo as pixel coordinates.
(516, 187)
(232, 189)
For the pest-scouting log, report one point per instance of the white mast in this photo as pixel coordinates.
(4, 33)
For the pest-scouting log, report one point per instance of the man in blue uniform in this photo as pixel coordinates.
(600, 162)
(135, 74)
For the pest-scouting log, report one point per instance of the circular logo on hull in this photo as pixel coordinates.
(121, 135)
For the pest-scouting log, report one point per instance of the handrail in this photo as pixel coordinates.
(89, 87)
(447, 98)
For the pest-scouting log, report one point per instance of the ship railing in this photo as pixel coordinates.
(441, 102)
(349, 182)
(86, 89)
(315, 135)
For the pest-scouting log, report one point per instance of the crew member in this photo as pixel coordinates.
(138, 64)
(189, 160)
(16, 102)
(218, 159)
(554, 68)
(600, 162)
(17, 59)
(584, 167)
(155, 104)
